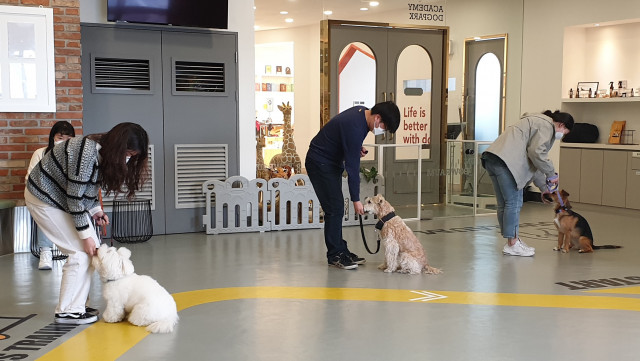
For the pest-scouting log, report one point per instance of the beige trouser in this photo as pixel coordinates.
(59, 227)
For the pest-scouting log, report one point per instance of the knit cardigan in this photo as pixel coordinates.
(67, 178)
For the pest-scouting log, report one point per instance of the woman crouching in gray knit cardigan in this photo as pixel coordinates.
(62, 197)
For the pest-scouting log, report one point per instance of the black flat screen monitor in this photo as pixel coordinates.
(194, 13)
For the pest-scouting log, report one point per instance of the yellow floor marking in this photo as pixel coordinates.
(103, 341)
(622, 291)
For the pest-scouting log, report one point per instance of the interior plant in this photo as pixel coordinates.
(369, 174)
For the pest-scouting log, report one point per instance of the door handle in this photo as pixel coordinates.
(393, 99)
(384, 96)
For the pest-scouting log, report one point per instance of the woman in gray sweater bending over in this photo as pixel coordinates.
(519, 155)
(62, 197)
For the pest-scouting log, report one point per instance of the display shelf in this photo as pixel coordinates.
(275, 76)
(601, 100)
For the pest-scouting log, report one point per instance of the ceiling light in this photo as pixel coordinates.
(284, 12)
(256, 27)
(597, 24)
(328, 12)
(364, 9)
(288, 20)
(373, 3)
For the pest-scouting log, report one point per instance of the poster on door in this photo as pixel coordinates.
(414, 101)
(414, 129)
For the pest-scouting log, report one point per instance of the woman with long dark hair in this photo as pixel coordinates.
(61, 131)
(62, 196)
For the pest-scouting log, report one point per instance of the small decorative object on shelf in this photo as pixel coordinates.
(611, 92)
(267, 69)
(571, 93)
(278, 69)
(627, 136)
(287, 71)
(586, 89)
(632, 92)
(617, 128)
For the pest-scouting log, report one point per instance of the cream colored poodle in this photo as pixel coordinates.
(403, 252)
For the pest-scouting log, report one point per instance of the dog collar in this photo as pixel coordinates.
(384, 220)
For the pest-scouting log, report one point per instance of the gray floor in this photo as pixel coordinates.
(492, 311)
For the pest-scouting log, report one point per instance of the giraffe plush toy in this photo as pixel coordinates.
(261, 169)
(289, 156)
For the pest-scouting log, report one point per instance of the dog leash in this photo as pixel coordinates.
(364, 239)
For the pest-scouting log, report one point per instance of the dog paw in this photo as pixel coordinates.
(564, 250)
(556, 248)
(388, 270)
(112, 318)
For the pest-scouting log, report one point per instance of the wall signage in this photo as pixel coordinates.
(433, 13)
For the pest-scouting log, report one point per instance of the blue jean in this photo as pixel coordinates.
(508, 195)
(327, 183)
(43, 241)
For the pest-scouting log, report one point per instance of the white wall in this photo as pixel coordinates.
(241, 20)
(542, 56)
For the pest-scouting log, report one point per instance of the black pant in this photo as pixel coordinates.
(327, 183)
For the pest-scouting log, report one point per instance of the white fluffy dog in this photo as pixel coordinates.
(140, 297)
(402, 251)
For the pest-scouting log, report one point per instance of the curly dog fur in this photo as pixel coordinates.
(403, 251)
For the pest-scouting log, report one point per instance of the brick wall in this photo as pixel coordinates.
(22, 133)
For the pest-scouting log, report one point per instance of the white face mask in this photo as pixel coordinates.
(377, 130)
(127, 159)
(559, 135)
(58, 142)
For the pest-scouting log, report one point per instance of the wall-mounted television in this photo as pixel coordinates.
(195, 13)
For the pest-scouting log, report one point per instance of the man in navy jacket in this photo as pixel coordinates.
(338, 147)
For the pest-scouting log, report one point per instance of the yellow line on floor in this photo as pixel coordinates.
(621, 291)
(103, 341)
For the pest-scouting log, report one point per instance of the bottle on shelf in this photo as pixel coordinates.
(611, 93)
(571, 93)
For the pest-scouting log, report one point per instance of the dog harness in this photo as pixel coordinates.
(384, 220)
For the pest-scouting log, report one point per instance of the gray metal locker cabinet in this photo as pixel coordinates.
(190, 109)
(122, 82)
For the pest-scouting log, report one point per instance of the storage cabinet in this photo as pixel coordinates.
(614, 178)
(633, 181)
(570, 171)
(601, 176)
(591, 176)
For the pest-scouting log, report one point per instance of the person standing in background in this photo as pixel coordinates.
(61, 131)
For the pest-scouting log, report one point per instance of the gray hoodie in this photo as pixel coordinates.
(524, 148)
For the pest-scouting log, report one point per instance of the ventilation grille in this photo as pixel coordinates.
(147, 191)
(196, 164)
(121, 74)
(199, 77)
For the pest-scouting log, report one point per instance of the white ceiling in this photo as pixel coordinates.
(307, 12)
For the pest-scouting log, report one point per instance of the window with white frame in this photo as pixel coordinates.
(27, 70)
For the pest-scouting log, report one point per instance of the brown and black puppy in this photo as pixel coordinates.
(573, 229)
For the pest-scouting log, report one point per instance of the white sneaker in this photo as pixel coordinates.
(526, 245)
(518, 249)
(46, 259)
